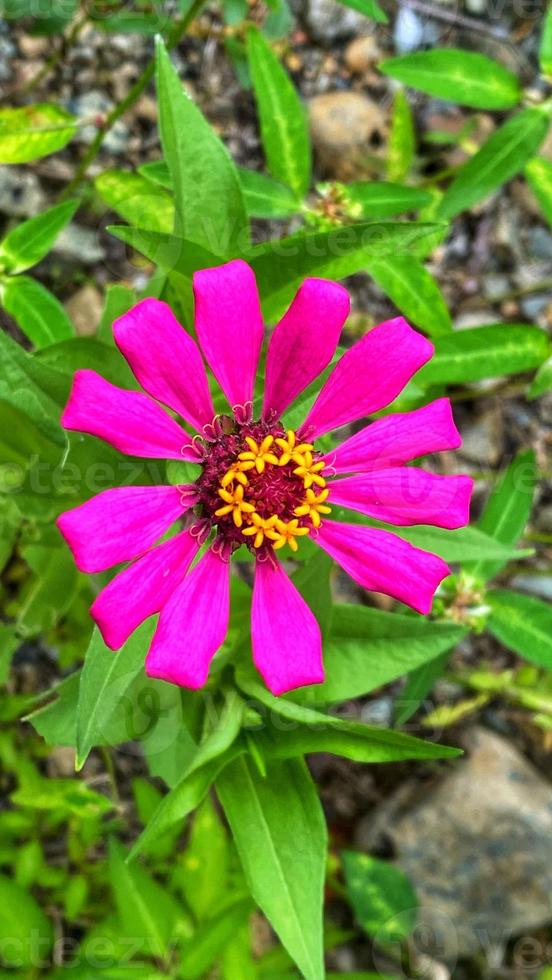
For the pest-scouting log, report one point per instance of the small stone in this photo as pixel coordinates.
(329, 21)
(539, 585)
(362, 54)
(540, 243)
(474, 318)
(7, 52)
(378, 712)
(79, 244)
(61, 762)
(348, 132)
(33, 47)
(85, 309)
(478, 850)
(412, 32)
(20, 192)
(533, 306)
(495, 285)
(481, 441)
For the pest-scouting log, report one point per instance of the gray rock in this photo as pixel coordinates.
(412, 31)
(481, 439)
(378, 712)
(540, 242)
(95, 105)
(539, 585)
(329, 21)
(495, 286)
(478, 849)
(533, 306)
(7, 51)
(78, 244)
(20, 193)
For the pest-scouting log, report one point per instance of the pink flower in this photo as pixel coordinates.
(260, 485)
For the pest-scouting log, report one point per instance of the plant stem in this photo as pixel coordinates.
(174, 37)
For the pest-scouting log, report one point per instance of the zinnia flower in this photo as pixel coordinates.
(261, 485)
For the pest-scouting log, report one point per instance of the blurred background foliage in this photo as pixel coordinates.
(406, 149)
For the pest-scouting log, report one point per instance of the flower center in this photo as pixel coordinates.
(260, 486)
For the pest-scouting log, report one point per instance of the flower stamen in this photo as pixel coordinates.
(258, 455)
(258, 528)
(309, 471)
(313, 507)
(286, 532)
(234, 504)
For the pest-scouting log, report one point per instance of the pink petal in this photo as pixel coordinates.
(397, 439)
(142, 589)
(229, 326)
(119, 524)
(128, 420)
(165, 360)
(405, 495)
(382, 562)
(192, 625)
(303, 342)
(368, 377)
(287, 646)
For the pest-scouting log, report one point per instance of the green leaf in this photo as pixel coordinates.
(463, 545)
(478, 353)
(402, 140)
(37, 311)
(34, 131)
(508, 509)
(35, 389)
(538, 173)
(105, 679)
(31, 240)
(545, 49)
(414, 291)
(383, 900)
(369, 8)
(280, 266)
(9, 643)
(465, 77)
(158, 173)
(419, 683)
(118, 300)
(368, 648)
(206, 945)
(284, 127)
(205, 863)
(524, 624)
(367, 744)
(503, 155)
(216, 751)
(145, 909)
(52, 588)
(25, 932)
(136, 199)
(68, 356)
(209, 202)
(56, 721)
(379, 200)
(265, 197)
(542, 382)
(315, 731)
(313, 582)
(280, 833)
